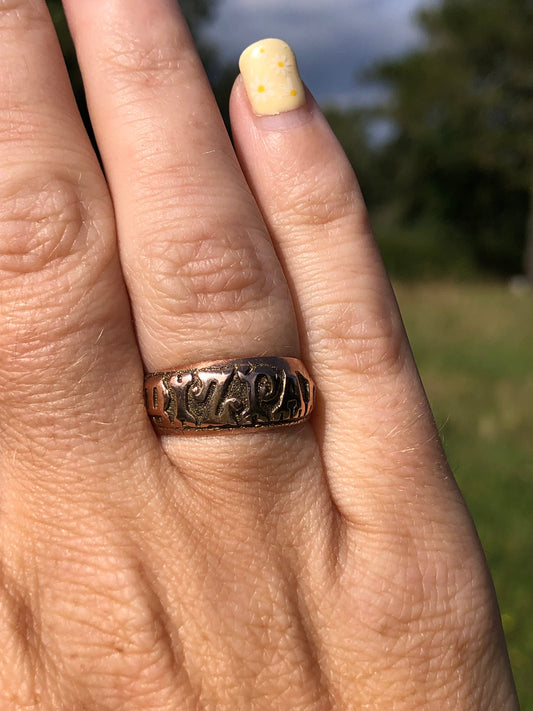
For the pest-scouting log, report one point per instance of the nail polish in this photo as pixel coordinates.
(271, 78)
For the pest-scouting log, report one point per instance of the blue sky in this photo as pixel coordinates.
(333, 39)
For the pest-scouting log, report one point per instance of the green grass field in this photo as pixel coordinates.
(474, 347)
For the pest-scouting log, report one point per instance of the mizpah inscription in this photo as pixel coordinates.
(250, 392)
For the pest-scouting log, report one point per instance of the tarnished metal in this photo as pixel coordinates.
(248, 393)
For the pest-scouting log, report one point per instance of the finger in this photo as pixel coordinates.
(412, 552)
(373, 408)
(63, 307)
(202, 275)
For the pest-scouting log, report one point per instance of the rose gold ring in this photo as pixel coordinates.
(232, 395)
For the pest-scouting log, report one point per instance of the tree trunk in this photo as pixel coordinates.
(528, 250)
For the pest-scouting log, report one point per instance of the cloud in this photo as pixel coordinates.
(333, 40)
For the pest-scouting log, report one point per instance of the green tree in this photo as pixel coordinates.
(462, 110)
(352, 126)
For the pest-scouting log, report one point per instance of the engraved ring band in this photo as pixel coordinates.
(230, 395)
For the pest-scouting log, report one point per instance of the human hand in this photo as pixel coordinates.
(328, 565)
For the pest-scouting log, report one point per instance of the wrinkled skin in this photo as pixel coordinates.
(331, 565)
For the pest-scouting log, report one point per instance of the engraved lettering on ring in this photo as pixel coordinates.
(243, 393)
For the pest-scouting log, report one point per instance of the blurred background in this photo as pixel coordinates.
(433, 102)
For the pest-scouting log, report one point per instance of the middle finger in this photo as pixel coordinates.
(203, 277)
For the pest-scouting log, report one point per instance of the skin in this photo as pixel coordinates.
(332, 565)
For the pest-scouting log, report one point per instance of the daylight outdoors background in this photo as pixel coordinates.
(433, 102)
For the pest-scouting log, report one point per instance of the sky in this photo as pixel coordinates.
(334, 40)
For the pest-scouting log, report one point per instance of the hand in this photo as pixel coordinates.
(328, 565)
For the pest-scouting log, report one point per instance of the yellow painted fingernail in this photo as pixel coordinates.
(271, 77)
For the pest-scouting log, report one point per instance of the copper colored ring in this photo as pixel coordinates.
(232, 395)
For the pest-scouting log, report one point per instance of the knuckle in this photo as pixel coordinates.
(367, 340)
(52, 230)
(211, 272)
(124, 652)
(131, 62)
(310, 200)
(40, 224)
(134, 653)
(53, 253)
(438, 594)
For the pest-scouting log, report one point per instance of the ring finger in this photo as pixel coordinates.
(202, 274)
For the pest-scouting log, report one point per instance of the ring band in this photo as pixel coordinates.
(247, 393)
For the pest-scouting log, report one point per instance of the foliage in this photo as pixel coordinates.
(462, 111)
(353, 129)
(475, 357)
(451, 192)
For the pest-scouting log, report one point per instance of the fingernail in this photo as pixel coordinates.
(271, 77)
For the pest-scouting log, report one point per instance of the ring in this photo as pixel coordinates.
(247, 393)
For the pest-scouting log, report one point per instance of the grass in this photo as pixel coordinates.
(474, 347)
